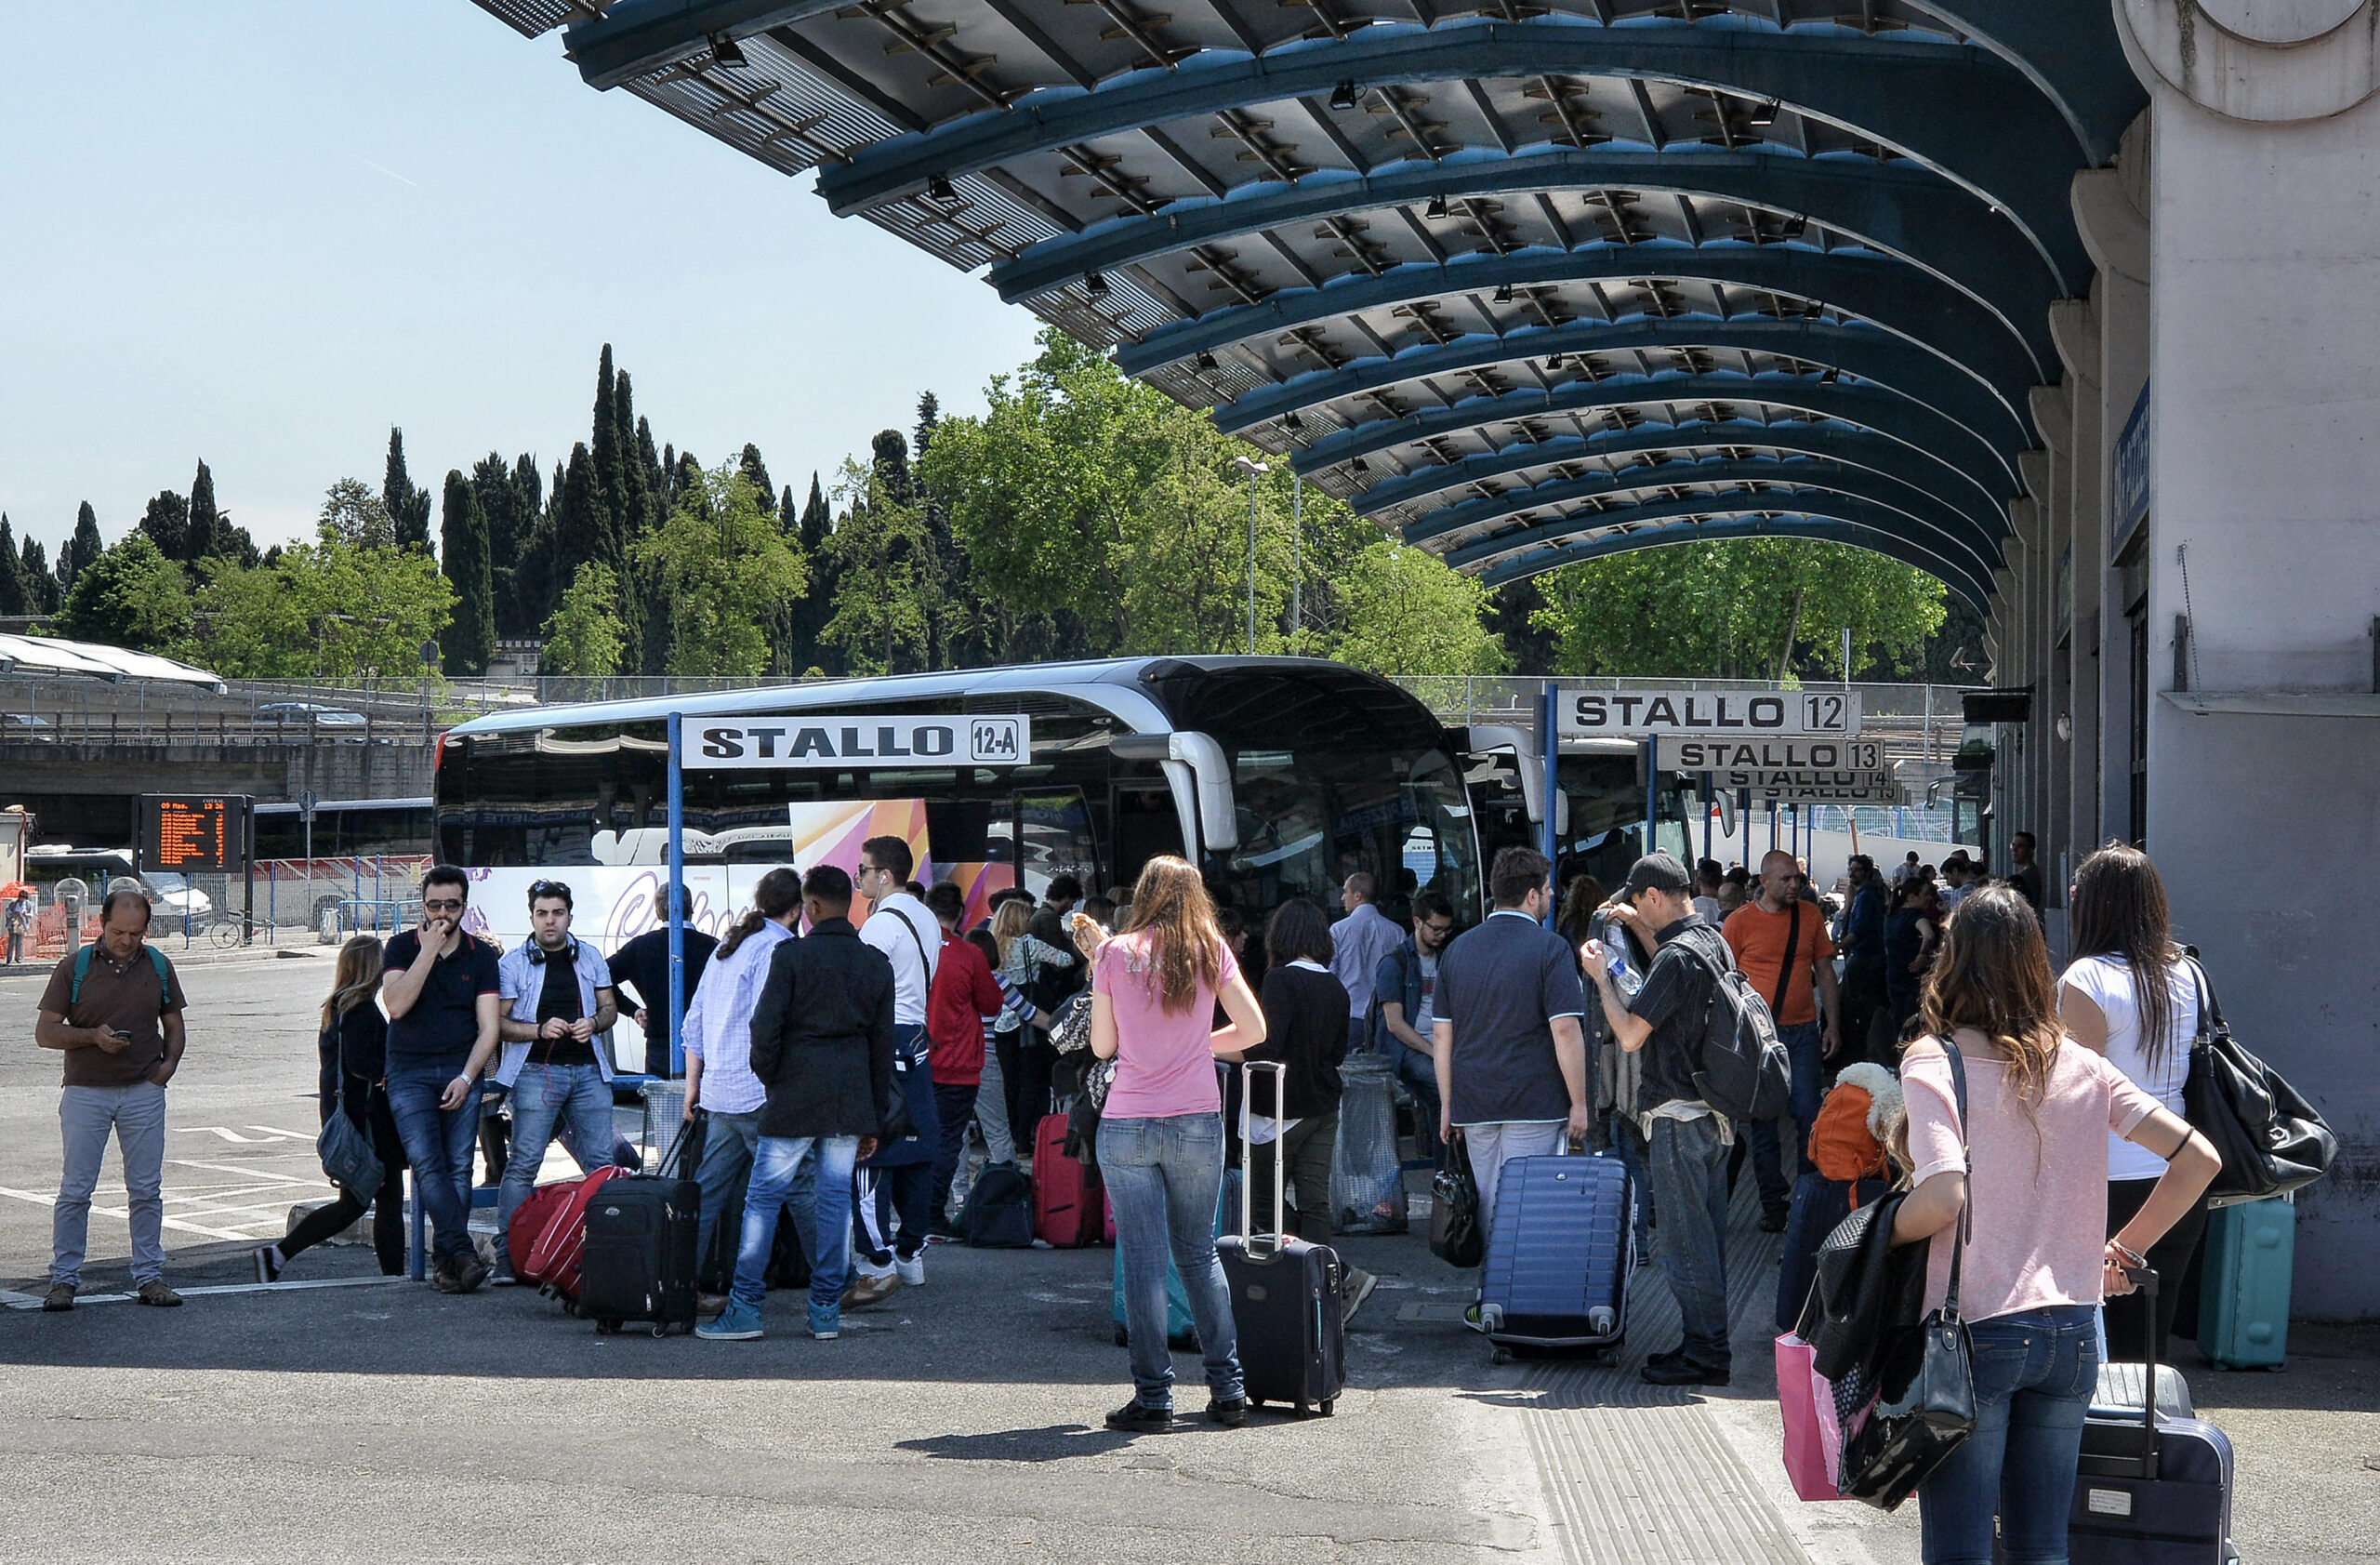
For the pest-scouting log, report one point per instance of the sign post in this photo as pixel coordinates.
(677, 900)
(1547, 838)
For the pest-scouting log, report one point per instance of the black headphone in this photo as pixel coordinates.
(538, 953)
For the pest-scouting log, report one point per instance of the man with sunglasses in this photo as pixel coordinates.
(559, 1011)
(1404, 993)
(441, 990)
(1781, 946)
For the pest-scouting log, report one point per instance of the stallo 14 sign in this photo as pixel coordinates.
(1813, 788)
(1637, 714)
(824, 739)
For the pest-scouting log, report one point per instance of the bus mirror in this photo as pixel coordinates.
(1200, 774)
(1726, 813)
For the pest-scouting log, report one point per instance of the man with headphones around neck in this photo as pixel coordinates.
(559, 1008)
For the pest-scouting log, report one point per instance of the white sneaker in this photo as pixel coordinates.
(912, 1272)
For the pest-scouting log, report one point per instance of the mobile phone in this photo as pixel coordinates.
(119, 1032)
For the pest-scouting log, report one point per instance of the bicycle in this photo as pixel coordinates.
(232, 931)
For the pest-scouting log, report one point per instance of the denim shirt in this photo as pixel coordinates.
(519, 981)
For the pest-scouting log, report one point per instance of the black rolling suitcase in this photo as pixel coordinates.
(1286, 1297)
(640, 1263)
(2151, 1489)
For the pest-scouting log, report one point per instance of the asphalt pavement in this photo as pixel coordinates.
(337, 1416)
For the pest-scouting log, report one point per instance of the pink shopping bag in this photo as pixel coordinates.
(1813, 1433)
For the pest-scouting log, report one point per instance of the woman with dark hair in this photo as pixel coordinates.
(2026, 1166)
(354, 1042)
(1154, 989)
(1907, 936)
(2131, 995)
(1579, 900)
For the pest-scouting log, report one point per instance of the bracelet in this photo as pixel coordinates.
(2130, 1254)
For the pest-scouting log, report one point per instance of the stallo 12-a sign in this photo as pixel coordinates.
(1653, 712)
(866, 739)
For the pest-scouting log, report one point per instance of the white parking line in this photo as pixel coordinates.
(33, 1301)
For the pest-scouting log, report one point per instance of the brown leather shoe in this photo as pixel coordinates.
(59, 1298)
(155, 1291)
(868, 1290)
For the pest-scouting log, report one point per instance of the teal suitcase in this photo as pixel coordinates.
(2244, 1301)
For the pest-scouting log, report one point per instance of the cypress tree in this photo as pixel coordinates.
(408, 504)
(610, 470)
(471, 640)
(167, 521)
(579, 533)
(12, 579)
(80, 550)
(637, 516)
(748, 463)
(200, 539)
(43, 594)
(655, 475)
(510, 519)
(817, 607)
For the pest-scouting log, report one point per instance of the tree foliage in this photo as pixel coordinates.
(131, 596)
(406, 502)
(356, 516)
(723, 573)
(1747, 609)
(472, 641)
(1407, 612)
(330, 609)
(585, 635)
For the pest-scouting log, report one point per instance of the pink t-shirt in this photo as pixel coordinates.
(1164, 1066)
(2040, 1205)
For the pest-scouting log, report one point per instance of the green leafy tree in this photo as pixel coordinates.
(1407, 612)
(1750, 608)
(878, 547)
(406, 502)
(12, 571)
(473, 641)
(725, 574)
(585, 635)
(355, 516)
(131, 596)
(81, 549)
(330, 609)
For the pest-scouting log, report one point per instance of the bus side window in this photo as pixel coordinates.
(1054, 837)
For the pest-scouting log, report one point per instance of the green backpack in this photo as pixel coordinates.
(156, 960)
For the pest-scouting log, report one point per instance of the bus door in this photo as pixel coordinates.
(1147, 822)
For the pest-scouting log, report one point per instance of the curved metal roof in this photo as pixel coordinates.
(1527, 281)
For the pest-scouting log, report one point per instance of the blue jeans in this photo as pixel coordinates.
(439, 1144)
(728, 1143)
(1804, 1046)
(574, 1097)
(1163, 1178)
(2034, 1372)
(775, 1165)
(1629, 1143)
(1420, 1078)
(952, 1107)
(1689, 1168)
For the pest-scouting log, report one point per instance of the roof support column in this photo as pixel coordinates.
(2052, 756)
(2088, 650)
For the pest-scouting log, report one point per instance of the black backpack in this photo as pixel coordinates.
(1745, 1073)
(998, 1214)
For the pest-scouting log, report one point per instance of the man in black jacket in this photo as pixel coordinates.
(822, 1044)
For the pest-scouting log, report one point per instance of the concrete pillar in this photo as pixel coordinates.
(2265, 346)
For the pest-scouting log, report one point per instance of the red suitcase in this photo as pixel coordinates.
(1066, 1207)
(549, 1234)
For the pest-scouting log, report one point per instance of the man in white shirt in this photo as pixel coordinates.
(898, 1180)
(1358, 943)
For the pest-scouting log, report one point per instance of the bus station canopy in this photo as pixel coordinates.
(1527, 281)
(54, 657)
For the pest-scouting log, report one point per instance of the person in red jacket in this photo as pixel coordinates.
(964, 994)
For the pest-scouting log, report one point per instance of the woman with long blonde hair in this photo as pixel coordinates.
(352, 1040)
(2027, 1169)
(1154, 991)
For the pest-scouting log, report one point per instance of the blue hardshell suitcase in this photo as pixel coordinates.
(2244, 1301)
(1559, 1254)
(2151, 1489)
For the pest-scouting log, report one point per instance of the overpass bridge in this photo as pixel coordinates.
(2073, 303)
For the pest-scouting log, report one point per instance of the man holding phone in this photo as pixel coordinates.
(114, 1011)
(441, 989)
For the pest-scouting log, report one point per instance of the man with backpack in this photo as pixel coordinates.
(1781, 945)
(114, 1011)
(1669, 1022)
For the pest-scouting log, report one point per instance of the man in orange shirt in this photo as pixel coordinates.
(1780, 943)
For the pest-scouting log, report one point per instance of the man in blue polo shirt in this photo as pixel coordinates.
(1511, 1048)
(441, 989)
(559, 1011)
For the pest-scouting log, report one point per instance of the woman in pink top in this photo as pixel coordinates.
(2030, 1171)
(1154, 989)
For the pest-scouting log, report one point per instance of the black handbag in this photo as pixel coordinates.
(2270, 1139)
(1455, 1236)
(1924, 1406)
(350, 1160)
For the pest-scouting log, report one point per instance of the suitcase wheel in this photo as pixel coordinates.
(1303, 1408)
(1329, 1406)
(1123, 1338)
(660, 1327)
(606, 1327)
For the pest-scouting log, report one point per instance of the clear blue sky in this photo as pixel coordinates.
(263, 232)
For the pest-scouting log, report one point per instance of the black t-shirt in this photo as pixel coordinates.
(437, 1034)
(1306, 1029)
(641, 969)
(1676, 1000)
(558, 1001)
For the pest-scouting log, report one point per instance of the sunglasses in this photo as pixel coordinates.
(443, 905)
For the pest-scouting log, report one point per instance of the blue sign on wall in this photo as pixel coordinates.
(2130, 483)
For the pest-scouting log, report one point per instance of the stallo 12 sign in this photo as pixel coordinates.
(1643, 713)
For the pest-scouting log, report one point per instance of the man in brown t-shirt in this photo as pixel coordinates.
(121, 1031)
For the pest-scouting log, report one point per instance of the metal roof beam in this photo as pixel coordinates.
(1815, 515)
(1863, 351)
(1849, 444)
(1920, 519)
(637, 38)
(1899, 211)
(1961, 111)
(1882, 292)
(2075, 59)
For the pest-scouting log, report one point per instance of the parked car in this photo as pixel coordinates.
(312, 717)
(27, 728)
(171, 897)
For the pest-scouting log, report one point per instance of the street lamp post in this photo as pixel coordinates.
(1254, 470)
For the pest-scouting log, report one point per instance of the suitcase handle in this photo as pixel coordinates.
(1280, 1074)
(2144, 1464)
